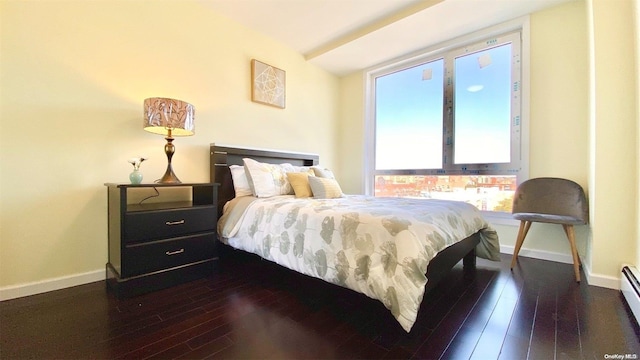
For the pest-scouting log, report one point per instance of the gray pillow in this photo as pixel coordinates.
(324, 188)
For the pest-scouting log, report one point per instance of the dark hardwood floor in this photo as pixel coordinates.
(254, 309)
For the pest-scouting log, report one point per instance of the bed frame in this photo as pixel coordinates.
(222, 156)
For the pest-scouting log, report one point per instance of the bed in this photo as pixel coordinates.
(390, 249)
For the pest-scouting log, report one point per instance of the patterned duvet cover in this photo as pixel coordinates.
(380, 247)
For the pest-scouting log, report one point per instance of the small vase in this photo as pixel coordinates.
(135, 177)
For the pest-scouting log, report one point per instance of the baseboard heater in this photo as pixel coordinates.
(630, 288)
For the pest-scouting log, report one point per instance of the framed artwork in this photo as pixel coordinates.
(267, 84)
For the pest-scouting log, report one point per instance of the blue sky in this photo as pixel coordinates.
(409, 112)
(482, 131)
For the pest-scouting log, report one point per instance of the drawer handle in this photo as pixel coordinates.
(180, 222)
(174, 252)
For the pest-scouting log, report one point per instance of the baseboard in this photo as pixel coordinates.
(609, 282)
(599, 280)
(16, 291)
(539, 254)
(38, 287)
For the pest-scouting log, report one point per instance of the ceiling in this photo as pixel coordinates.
(343, 36)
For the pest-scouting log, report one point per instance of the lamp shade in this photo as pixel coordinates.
(170, 117)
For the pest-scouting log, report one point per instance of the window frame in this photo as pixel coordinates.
(520, 26)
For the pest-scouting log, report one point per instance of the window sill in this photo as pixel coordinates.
(500, 218)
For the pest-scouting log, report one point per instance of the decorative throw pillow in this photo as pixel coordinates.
(266, 180)
(324, 188)
(287, 168)
(240, 181)
(322, 172)
(300, 183)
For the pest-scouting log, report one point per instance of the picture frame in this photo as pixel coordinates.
(268, 84)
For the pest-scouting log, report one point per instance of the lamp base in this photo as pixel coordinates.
(169, 177)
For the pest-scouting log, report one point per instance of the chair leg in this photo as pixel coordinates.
(568, 229)
(522, 233)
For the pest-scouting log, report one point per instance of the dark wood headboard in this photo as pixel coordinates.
(222, 156)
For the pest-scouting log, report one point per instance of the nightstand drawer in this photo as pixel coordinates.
(145, 226)
(164, 254)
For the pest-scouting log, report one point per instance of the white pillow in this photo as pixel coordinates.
(322, 172)
(324, 188)
(240, 181)
(267, 180)
(302, 169)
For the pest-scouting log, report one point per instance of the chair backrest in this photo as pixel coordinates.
(552, 196)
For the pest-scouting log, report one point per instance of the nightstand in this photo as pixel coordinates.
(155, 245)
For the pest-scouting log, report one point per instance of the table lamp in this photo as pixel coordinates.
(169, 117)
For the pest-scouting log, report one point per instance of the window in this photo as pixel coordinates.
(448, 124)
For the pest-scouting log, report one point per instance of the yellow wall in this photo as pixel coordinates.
(560, 128)
(351, 134)
(559, 118)
(636, 5)
(73, 78)
(614, 135)
(559, 121)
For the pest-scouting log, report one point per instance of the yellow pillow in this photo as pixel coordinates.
(300, 183)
